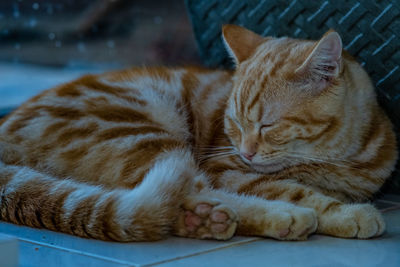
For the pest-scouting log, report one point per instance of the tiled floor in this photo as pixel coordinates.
(46, 248)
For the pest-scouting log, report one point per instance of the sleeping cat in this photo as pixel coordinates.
(283, 147)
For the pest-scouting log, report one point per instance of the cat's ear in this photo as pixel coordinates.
(324, 62)
(240, 42)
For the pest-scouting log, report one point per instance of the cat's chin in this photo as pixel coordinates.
(267, 168)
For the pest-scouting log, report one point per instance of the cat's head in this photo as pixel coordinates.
(286, 97)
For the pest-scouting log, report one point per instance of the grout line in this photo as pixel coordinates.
(239, 243)
(73, 251)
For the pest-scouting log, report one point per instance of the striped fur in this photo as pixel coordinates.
(142, 153)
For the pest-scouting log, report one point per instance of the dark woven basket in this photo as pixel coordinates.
(370, 31)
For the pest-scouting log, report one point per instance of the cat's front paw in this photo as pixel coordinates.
(353, 221)
(206, 220)
(293, 223)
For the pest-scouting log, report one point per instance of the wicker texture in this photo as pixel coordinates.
(370, 31)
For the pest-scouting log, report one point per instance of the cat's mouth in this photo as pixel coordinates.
(267, 168)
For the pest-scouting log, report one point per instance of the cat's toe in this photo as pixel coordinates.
(192, 221)
(203, 209)
(223, 221)
(293, 224)
(368, 219)
(353, 221)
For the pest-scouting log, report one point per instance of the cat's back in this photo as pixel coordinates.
(91, 124)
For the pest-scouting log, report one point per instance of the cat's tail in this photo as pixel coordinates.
(144, 213)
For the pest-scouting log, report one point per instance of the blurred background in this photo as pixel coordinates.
(65, 33)
(45, 42)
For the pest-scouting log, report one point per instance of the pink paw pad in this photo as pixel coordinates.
(219, 216)
(192, 221)
(203, 209)
(284, 233)
(218, 227)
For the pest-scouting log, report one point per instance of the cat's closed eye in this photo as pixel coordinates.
(266, 126)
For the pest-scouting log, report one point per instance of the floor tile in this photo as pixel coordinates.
(34, 255)
(317, 251)
(14, 90)
(135, 253)
(8, 251)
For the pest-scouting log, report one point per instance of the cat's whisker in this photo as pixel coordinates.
(216, 154)
(309, 158)
(318, 157)
(221, 153)
(213, 152)
(217, 148)
(325, 161)
(213, 157)
(272, 156)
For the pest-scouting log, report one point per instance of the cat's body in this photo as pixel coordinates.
(141, 153)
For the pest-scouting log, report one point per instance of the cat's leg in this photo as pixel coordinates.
(199, 215)
(206, 213)
(334, 217)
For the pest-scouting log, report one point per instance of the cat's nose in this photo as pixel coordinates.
(248, 156)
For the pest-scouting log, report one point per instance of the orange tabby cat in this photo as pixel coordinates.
(276, 149)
